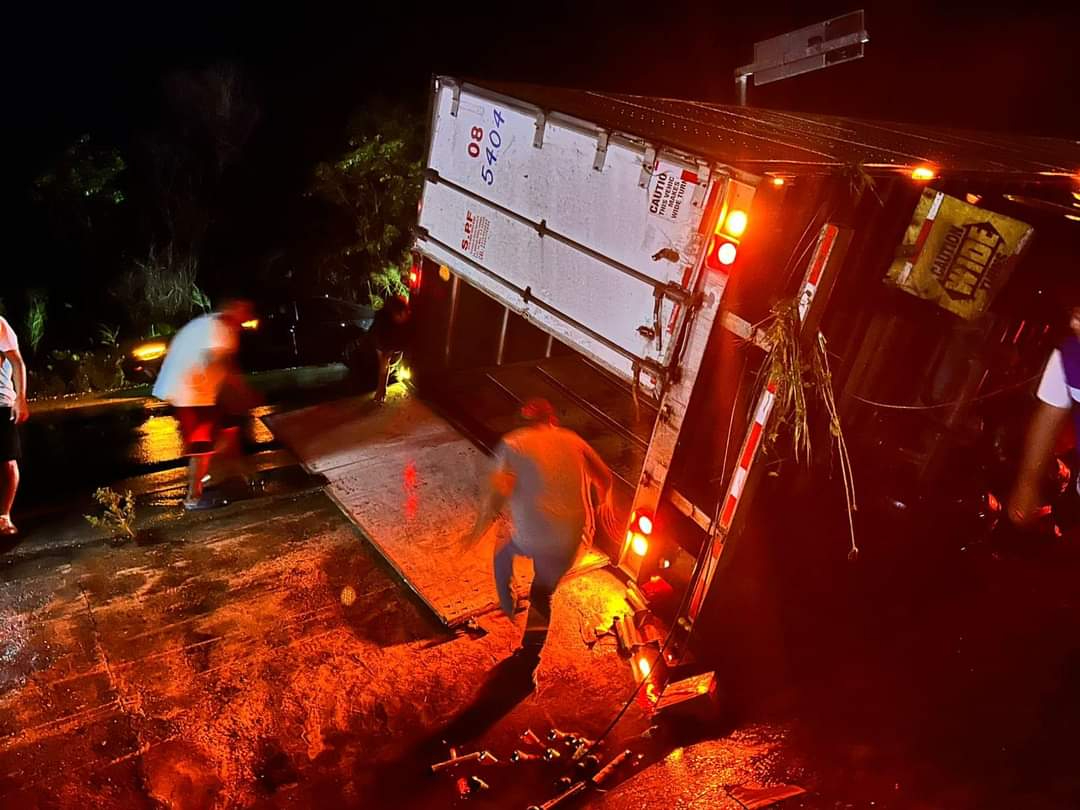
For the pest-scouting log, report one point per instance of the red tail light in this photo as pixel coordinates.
(731, 225)
(642, 523)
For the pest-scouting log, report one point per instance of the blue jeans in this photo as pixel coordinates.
(549, 569)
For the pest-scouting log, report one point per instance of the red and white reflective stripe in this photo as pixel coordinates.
(817, 267)
(749, 452)
(747, 455)
(756, 432)
(924, 234)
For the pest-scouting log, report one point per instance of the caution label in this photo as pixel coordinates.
(957, 255)
(670, 192)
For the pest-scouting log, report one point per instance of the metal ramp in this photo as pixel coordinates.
(412, 484)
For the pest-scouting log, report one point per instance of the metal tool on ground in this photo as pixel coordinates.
(581, 749)
(566, 795)
(570, 739)
(609, 769)
(580, 787)
(588, 763)
(523, 756)
(555, 735)
(529, 736)
(481, 757)
(476, 784)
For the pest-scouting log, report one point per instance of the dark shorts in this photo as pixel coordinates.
(9, 437)
(201, 426)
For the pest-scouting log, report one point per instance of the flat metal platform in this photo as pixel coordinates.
(412, 484)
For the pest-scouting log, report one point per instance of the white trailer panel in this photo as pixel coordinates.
(589, 234)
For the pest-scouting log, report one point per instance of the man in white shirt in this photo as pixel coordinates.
(545, 472)
(1059, 396)
(199, 367)
(13, 412)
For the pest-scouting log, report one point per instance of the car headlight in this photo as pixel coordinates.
(145, 352)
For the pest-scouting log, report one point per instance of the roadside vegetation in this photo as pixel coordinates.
(136, 233)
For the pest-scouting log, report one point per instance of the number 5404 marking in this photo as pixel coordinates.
(489, 147)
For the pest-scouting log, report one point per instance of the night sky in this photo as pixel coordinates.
(86, 70)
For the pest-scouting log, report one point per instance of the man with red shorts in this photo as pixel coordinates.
(198, 370)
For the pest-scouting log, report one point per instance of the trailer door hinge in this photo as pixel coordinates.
(702, 186)
(695, 246)
(541, 125)
(648, 163)
(601, 150)
(676, 292)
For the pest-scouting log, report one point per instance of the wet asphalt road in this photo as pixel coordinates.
(68, 453)
(266, 658)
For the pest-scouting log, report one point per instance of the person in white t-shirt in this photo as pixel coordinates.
(198, 376)
(545, 473)
(1059, 396)
(13, 412)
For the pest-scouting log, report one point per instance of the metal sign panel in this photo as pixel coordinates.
(817, 46)
(956, 254)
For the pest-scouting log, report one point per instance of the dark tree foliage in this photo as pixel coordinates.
(368, 196)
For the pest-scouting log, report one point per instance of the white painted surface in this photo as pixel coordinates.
(493, 239)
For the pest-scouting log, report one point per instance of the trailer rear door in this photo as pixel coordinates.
(591, 235)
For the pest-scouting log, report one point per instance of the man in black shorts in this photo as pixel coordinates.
(13, 412)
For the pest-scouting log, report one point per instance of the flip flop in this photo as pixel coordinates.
(205, 502)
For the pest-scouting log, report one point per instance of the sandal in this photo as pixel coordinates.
(207, 501)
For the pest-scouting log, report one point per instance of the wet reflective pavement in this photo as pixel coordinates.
(264, 656)
(260, 656)
(71, 446)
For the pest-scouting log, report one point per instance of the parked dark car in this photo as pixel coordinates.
(288, 332)
(306, 332)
